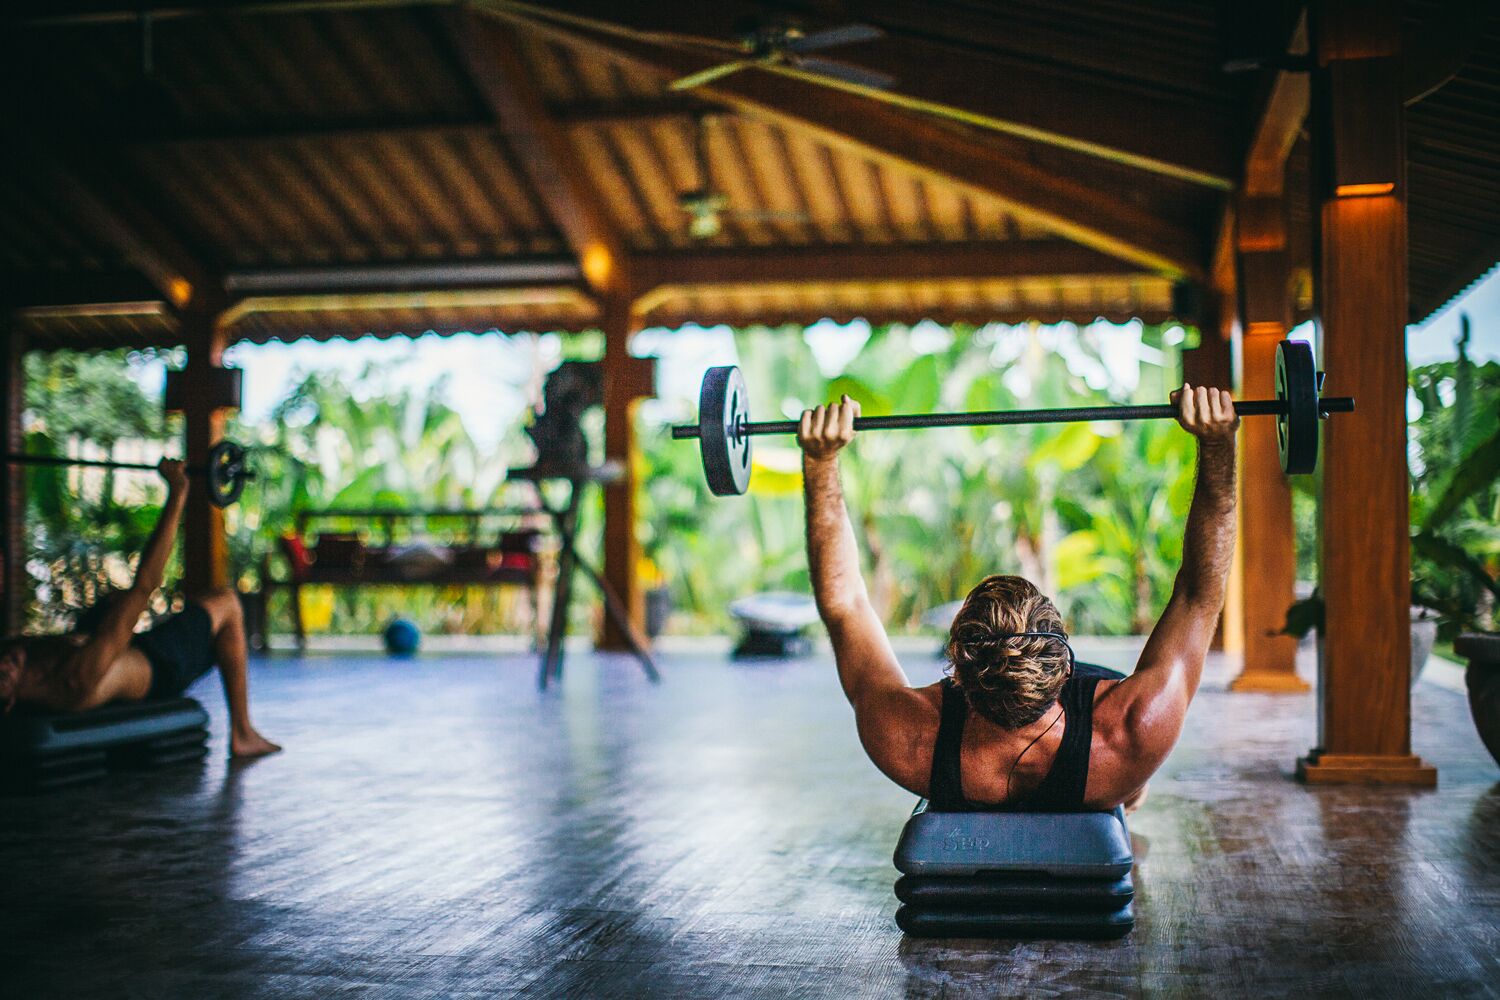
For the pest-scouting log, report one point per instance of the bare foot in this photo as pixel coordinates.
(251, 744)
(1136, 798)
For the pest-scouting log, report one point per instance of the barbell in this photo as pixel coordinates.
(724, 428)
(225, 471)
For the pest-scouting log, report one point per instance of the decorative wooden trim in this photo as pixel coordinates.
(217, 386)
(1269, 682)
(1319, 768)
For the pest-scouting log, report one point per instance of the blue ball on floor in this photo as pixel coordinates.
(402, 637)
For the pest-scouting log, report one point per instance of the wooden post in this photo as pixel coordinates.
(1364, 694)
(205, 549)
(14, 585)
(1267, 542)
(626, 381)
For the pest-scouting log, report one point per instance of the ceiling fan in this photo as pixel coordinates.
(144, 106)
(705, 206)
(782, 46)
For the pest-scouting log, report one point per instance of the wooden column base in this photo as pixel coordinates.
(1319, 768)
(1269, 682)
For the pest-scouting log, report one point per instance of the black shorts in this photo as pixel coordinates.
(180, 650)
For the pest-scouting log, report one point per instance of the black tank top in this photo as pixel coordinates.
(1063, 787)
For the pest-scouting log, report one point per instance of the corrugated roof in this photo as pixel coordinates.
(1453, 179)
(355, 137)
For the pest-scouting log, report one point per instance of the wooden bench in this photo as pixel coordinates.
(489, 547)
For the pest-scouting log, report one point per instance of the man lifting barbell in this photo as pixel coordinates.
(1046, 733)
(107, 661)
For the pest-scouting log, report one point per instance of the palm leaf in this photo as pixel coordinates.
(1477, 471)
(1446, 553)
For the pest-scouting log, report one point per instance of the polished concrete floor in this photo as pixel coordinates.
(438, 828)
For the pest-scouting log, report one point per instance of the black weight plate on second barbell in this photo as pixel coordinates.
(226, 473)
(1297, 386)
(723, 406)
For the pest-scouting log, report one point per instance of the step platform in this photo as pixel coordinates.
(1015, 875)
(41, 751)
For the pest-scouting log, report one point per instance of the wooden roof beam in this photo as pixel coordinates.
(1016, 92)
(1279, 122)
(29, 290)
(915, 144)
(1283, 110)
(929, 262)
(413, 276)
(491, 54)
(569, 113)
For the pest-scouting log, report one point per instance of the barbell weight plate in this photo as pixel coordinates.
(225, 473)
(723, 408)
(1297, 428)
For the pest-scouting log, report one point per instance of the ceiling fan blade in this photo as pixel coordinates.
(846, 34)
(709, 75)
(857, 75)
(695, 41)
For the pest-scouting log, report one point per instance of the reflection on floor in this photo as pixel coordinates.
(437, 828)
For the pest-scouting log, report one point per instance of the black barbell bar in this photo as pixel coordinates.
(724, 427)
(225, 472)
(1063, 415)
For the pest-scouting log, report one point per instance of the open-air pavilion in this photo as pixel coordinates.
(195, 175)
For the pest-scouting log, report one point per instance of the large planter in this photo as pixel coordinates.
(1423, 635)
(1482, 650)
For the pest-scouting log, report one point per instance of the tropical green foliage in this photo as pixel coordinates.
(82, 524)
(1454, 457)
(936, 510)
(1456, 491)
(1092, 512)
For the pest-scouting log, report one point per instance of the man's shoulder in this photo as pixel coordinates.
(897, 728)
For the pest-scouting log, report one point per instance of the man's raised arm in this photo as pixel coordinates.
(865, 662)
(1154, 700)
(119, 620)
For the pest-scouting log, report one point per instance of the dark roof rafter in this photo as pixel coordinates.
(1014, 91)
(491, 54)
(97, 198)
(923, 262)
(934, 262)
(965, 157)
(30, 290)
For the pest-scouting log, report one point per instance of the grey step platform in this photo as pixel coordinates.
(1014, 892)
(1015, 875)
(921, 922)
(1091, 845)
(40, 751)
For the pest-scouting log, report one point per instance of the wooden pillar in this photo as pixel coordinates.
(14, 585)
(626, 381)
(1267, 541)
(205, 549)
(1364, 732)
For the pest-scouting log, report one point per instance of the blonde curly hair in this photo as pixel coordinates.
(1010, 680)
